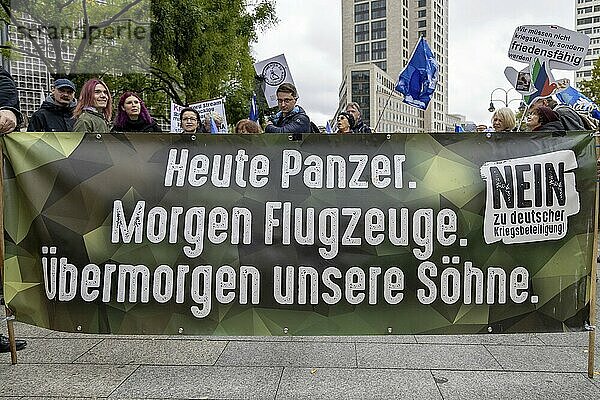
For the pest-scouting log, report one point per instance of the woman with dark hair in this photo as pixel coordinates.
(345, 123)
(133, 116)
(544, 119)
(94, 108)
(190, 121)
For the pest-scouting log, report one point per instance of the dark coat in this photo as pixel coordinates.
(91, 121)
(52, 117)
(569, 118)
(553, 126)
(295, 122)
(9, 97)
(361, 127)
(138, 126)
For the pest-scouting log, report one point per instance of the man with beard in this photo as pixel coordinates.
(359, 127)
(56, 112)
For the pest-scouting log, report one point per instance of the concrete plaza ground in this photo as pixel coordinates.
(525, 366)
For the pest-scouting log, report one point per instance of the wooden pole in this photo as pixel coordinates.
(592, 334)
(9, 322)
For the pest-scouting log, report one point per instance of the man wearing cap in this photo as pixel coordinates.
(56, 112)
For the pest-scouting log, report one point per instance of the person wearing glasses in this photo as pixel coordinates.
(291, 118)
(190, 120)
(543, 118)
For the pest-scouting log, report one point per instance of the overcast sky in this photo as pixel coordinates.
(309, 34)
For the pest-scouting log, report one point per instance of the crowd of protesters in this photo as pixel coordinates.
(92, 112)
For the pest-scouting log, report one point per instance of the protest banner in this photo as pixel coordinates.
(334, 234)
(273, 72)
(203, 108)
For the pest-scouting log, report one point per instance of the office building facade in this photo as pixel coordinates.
(378, 37)
(587, 20)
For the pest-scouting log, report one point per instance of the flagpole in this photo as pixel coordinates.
(392, 92)
(384, 108)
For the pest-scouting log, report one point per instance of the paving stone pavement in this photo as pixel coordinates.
(58, 365)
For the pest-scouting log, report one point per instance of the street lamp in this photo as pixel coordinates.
(505, 101)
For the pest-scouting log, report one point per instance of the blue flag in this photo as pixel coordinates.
(253, 109)
(458, 129)
(328, 128)
(419, 79)
(578, 101)
(213, 126)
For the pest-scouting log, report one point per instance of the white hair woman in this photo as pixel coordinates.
(504, 120)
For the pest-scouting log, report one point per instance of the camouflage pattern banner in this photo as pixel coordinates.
(331, 235)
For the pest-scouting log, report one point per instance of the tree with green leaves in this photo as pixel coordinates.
(80, 36)
(591, 87)
(196, 49)
(201, 49)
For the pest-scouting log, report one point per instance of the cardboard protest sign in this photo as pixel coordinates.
(543, 47)
(203, 108)
(274, 71)
(561, 48)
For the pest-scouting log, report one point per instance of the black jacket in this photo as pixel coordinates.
(9, 97)
(137, 126)
(554, 126)
(295, 122)
(569, 118)
(361, 127)
(52, 117)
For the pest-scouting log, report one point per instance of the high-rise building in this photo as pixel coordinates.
(377, 41)
(587, 20)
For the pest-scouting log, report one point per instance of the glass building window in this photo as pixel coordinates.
(361, 93)
(378, 9)
(379, 30)
(361, 52)
(379, 50)
(382, 65)
(361, 12)
(361, 33)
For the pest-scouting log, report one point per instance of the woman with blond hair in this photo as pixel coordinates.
(94, 108)
(504, 120)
